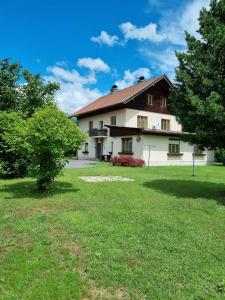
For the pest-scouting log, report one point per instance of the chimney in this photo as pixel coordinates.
(140, 79)
(113, 88)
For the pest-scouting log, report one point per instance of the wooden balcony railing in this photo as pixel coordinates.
(98, 132)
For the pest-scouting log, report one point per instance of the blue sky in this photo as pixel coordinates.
(87, 46)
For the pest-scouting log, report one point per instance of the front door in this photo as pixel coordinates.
(98, 149)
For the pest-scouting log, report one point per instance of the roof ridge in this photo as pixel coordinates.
(142, 85)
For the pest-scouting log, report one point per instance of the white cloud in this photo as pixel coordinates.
(174, 24)
(105, 38)
(163, 61)
(61, 63)
(74, 92)
(62, 75)
(93, 64)
(130, 78)
(148, 32)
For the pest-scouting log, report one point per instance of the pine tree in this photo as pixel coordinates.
(198, 96)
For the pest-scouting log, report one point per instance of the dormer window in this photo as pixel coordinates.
(149, 99)
(163, 102)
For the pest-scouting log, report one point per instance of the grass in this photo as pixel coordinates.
(159, 237)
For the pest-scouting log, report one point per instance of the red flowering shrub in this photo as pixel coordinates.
(127, 161)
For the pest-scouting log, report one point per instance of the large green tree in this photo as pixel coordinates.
(10, 75)
(22, 92)
(198, 96)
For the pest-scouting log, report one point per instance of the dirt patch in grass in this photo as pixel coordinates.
(29, 212)
(9, 241)
(74, 249)
(64, 240)
(103, 293)
(7, 233)
(25, 242)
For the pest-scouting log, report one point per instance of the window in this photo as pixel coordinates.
(165, 124)
(174, 146)
(101, 124)
(90, 125)
(198, 150)
(113, 120)
(149, 99)
(85, 148)
(163, 102)
(142, 122)
(126, 145)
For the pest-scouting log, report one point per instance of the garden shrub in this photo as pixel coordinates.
(220, 155)
(51, 135)
(13, 147)
(127, 161)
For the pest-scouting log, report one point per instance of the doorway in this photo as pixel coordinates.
(99, 148)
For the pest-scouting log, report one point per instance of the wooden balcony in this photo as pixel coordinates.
(98, 132)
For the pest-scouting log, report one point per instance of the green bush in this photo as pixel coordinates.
(50, 135)
(13, 148)
(220, 155)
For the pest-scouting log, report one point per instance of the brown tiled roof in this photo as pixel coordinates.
(118, 97)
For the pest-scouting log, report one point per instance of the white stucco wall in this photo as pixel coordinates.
(158, 153)
(84, 126)
(120, 119)
(154, 119)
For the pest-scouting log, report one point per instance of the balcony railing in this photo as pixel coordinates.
(98, 132)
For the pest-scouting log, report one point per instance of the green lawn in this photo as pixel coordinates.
(159, 237)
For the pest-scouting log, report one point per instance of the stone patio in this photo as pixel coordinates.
(104, 178)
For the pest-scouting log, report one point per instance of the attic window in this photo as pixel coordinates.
(163, 102)
(149, 99)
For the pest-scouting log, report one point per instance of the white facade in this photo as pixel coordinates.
(152, 148)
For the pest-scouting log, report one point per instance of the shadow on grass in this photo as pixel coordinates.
(27, 189)
(189, 189)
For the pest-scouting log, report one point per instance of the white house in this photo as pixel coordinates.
(136, 121)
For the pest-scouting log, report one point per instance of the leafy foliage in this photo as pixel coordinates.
(127, 161)
(220, 155)
(22, 92)
(36, 93)
(10, 74)
(198, 97)
(51, 134)
(13, 148)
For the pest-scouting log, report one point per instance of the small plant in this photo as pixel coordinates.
(127, 161)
